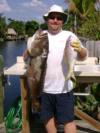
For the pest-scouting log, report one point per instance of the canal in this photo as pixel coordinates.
(10, 50)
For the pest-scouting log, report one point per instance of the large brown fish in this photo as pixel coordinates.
(36, 67)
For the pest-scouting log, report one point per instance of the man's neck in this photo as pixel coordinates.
(54, 32)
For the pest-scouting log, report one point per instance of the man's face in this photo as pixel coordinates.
(55, 22)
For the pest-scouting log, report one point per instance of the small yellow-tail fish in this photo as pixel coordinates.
(70, 58)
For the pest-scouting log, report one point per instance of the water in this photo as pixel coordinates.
(10, 50)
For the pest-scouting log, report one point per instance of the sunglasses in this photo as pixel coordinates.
(59, 18)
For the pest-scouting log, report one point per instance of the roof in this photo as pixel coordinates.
(11, 31)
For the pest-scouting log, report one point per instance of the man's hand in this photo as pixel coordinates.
(76, 45)
(40, 37)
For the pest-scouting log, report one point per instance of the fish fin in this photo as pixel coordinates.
(73, 79)
(71, 76)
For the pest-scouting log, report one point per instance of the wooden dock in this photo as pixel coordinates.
(85, 126)
(2, 128)
(82, 127)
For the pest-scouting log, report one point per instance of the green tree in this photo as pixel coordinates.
(19, 26)
(81, 8)
(43, 26)
(31, 27)
(91, 27)
(2, 26)
(86, 19)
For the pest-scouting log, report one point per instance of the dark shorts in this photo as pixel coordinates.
(60, 106)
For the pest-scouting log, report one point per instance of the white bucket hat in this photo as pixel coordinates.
(55, 8)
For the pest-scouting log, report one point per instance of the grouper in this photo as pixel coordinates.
(35, 71)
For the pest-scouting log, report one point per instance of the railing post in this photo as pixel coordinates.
(1, 90)
(25, 105)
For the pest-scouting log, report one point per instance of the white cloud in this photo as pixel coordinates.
(4, 6)
(38, 6)
(33, 3)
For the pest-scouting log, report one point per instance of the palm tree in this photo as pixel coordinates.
(3, 25)
(82, 8)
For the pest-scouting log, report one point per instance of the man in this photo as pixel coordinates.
(57, 101)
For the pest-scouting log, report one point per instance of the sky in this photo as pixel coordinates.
(27, 10)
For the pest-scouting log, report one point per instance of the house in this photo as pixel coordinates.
(11, 34)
